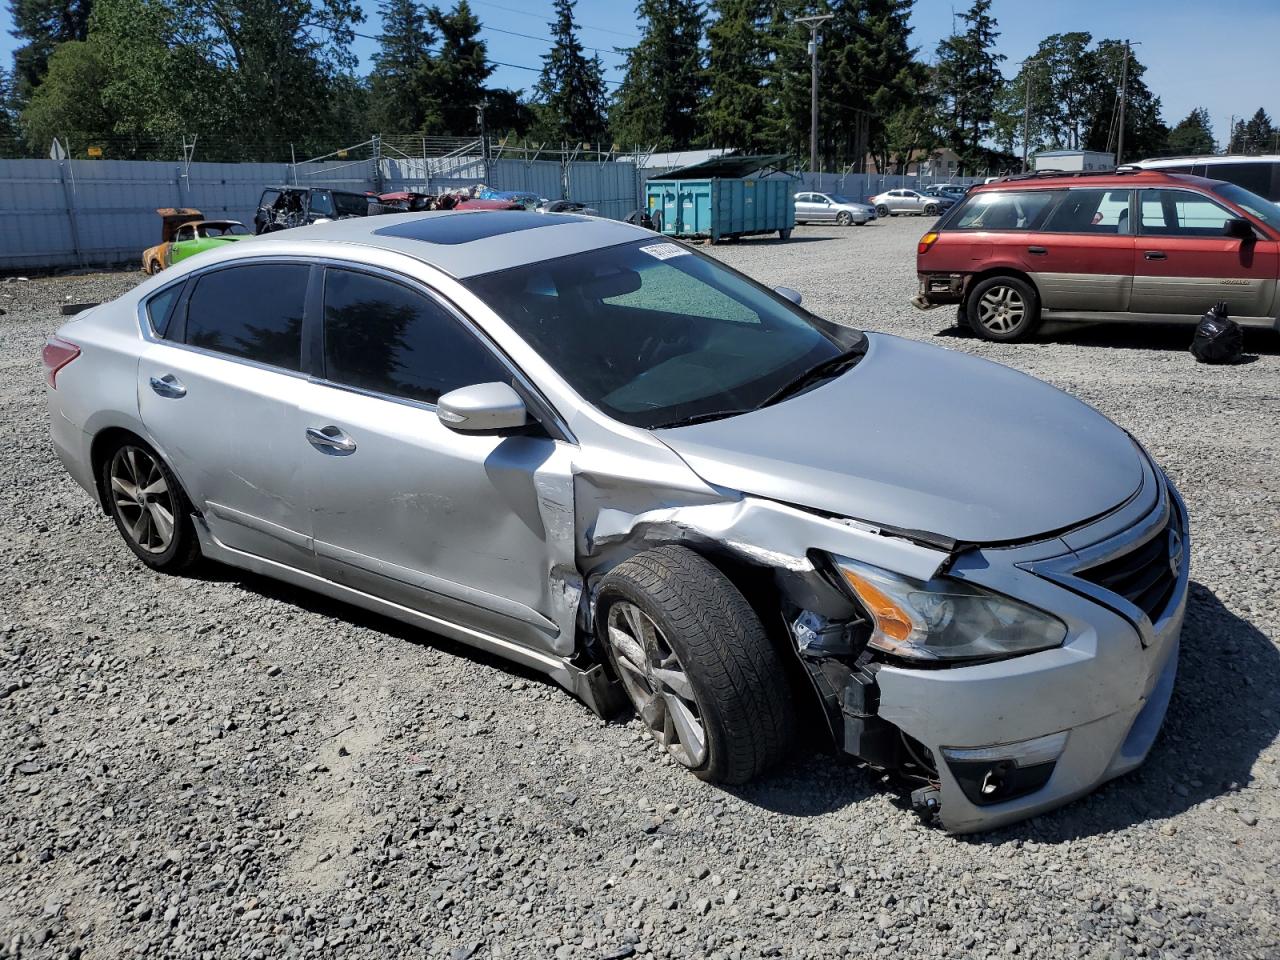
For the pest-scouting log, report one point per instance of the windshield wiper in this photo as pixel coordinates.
(696, 418)
(828, 368)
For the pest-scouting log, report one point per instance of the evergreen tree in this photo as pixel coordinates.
(459, 69)
(656, 105)
(1144, 131)
(1193, 135)
(571, 88)
(1260, 136)
(969, 80)
(735, 112)
(42, 25)
(396, 83)
(8, 121)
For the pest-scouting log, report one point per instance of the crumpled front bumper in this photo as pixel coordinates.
(1107, 686)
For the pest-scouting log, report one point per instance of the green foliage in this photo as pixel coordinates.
(1255, 135)
(969, 80)
(43, 24)
(69, 103)
(735, 110)
(397, 104)
(8, 119)
(1193, 135)
(458, 72)
(571, 88)
(657, 103)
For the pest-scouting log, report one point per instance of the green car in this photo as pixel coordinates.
(185, 234)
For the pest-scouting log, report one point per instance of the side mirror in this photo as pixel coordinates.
(1238, 229)
(789, 293)
(482, 407)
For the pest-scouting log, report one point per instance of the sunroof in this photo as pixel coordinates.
(464, 227)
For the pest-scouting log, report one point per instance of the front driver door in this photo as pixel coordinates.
(464, 526)
(1183, 264)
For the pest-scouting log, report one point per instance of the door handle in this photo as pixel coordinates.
(1038, 251)
(168, 386)
(330, 439)
(1156, 255)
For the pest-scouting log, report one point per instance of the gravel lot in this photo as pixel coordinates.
(224, 767)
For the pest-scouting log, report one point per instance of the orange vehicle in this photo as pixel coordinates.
(186, 233)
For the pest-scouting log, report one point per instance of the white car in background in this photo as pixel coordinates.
(893, 202)
(831, 208)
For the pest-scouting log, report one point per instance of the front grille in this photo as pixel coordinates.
(1145, 576)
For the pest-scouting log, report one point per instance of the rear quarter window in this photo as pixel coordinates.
(1003, 210)
(160, 308)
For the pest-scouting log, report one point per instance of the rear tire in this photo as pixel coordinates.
(697, 664)
(931, 210)
(149, 507)
(1003, 309)
(882, 211)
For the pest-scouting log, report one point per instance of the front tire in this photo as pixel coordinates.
(697, 665)
(149, 508)
(844, 218)
(154, 267)
(1003, 309)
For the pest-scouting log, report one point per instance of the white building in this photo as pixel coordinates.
(1074, 160)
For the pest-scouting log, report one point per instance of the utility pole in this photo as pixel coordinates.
(813, 23)
(1026, 107)
(1124, 84)
(484, 140)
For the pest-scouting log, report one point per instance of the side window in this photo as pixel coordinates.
(185, 233)
(1091, 211)
(1180, 213)
(804, 198)
(160, 308)
(269, 198)
(1004, 210)
(1254, 177)
(321, 203)
(384, 337)
(253, 311)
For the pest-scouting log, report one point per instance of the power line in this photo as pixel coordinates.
(543, 19)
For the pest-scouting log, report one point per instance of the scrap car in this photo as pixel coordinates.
(283, 208)
(603, 455)
(184, 233)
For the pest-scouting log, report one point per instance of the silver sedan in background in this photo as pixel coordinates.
(831, 208)
(893, 202)
(613, 459)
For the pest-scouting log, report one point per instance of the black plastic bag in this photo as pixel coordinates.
(1218, 338)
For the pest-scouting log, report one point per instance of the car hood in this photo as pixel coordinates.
(920, 438)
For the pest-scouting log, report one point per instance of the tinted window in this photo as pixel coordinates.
(1254, 177)
(160, 308)
(321, 203)
(652, 333)
(1091, 211)
(350, 204)
(254, 311)
(1003, 210)
(381, 336)
(1180, 213)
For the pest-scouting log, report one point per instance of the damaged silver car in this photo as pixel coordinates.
(606, 456)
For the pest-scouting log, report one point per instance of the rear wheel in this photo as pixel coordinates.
(1003, 309)
(931, 210)
(149, 508)
(697, 665)
(882, 211)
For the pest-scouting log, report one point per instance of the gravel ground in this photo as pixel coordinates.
(224, 767)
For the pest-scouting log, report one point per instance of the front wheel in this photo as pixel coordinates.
(1003, 309)
(845, 218)
(149, 508)
(154, 267)
(697, 664)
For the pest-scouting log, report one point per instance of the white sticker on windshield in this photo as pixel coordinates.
(664, 251)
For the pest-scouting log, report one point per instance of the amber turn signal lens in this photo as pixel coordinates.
(926, 242)
(890, 618)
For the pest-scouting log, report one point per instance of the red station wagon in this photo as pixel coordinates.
(1140, 246)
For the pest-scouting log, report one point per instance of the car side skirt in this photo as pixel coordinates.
(1120, 316)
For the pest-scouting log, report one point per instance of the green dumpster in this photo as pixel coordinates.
(730, 196)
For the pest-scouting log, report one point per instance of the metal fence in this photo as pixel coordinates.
(77, 213)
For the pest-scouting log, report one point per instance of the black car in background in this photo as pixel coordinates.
(283, 207)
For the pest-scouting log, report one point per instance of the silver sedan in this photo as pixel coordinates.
(831, 208)
(893, 202)
(606, 456)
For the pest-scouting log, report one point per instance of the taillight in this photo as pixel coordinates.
(56, 355)
(926, 242)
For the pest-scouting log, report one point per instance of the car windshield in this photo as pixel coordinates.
(1264, 210)
(225, 230)
(652, 333)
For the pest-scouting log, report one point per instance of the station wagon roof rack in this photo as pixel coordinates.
(1044, 174)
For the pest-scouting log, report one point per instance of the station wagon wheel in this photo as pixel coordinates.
(1003, 309)
(149, 507)
(657, 684)
(844, 218)
(697, 664)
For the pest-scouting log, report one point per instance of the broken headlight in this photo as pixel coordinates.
(946, 619)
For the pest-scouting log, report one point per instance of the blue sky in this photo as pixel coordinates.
(1219, 55)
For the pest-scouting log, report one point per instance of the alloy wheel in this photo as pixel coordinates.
(142, 498)
(1001, 309)
(845, 218)
(657, 684)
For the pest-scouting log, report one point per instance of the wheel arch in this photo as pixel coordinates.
(1003, 270)
(106, 440)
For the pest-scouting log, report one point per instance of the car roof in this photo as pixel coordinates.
(1045, 180)
(295, 188)
(470, 242)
